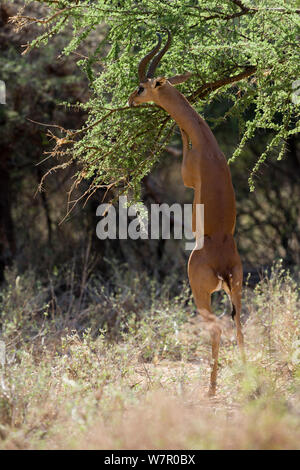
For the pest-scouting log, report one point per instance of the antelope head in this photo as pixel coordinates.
(150, 88)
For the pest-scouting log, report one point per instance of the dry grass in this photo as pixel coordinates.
(148, 388)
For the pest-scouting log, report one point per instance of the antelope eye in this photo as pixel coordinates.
(140, 90)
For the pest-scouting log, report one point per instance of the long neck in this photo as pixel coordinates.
(187, 118)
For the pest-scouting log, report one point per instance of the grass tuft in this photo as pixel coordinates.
(129, 368)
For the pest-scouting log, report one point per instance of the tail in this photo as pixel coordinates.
(226, 279)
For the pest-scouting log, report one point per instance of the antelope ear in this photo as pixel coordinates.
(180, 78)
(158, 82)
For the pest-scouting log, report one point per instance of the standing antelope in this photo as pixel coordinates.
(204, 168)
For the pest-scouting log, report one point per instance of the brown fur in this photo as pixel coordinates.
(205, 169)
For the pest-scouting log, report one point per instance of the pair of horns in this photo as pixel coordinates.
(145, 60)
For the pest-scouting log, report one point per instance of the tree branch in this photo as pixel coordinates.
(256, 9)
(211, 86)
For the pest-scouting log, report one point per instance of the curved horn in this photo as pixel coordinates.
(147, 58)
(158, 57)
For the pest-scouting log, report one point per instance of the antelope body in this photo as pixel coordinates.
(204, 168)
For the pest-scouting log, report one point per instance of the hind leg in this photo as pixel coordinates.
(203, 282)
(202, 300)
(236, 297)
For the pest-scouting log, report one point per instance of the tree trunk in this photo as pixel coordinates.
(7, 239)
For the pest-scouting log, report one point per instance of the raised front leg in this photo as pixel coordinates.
(191, 179)
(189, 170)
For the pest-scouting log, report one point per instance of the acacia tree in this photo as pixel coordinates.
(245, 51)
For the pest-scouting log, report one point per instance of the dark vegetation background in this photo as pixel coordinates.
(66, 257)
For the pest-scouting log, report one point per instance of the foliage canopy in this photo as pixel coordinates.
(245, 52)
